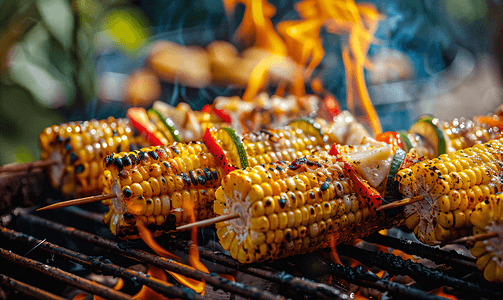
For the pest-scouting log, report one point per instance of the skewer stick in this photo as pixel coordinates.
(400, 203)
(15, 167)
(208, 221)
(78, 201)
(475, 238)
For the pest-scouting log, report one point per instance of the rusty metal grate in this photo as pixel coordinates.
(26, 239)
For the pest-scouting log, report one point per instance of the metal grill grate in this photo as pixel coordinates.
(23, 232)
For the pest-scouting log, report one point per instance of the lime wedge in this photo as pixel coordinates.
(431, 134)
(235, 148)
(309, 126)
(168, 127)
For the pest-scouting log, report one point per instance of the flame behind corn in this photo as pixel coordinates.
(452, 185)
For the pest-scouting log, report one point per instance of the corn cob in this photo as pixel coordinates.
(452, 185)
(289, 209)
(79, 148)
(488, 218)
(464, 133)
(152, 183)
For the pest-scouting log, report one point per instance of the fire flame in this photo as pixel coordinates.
(440, 292)
(147, 293)
(146, 236)
(302, 44)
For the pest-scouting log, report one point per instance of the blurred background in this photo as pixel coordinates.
(63, 60)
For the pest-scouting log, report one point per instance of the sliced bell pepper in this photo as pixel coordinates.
(217, 112)
(331, 105)
(217, 152)
(139, 119)
(392, 138)
(365, 192)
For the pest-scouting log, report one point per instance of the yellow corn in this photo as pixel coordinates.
(79, 148)
(289, 209)
(155, 185)
(488, 218)
(464, 133)
(279, 144)
(452, 185)
(140, 174)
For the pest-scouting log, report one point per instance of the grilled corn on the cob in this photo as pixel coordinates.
(79, 149)
(152, 183)
(488, 218)
(291, 209)
(452, 185)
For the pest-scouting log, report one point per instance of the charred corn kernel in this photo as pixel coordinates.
(412, 221)
(159, 194)
(450, 199)
(289, 223)
(79, 148)
(459, 218)
(488, 218)
(257, 209)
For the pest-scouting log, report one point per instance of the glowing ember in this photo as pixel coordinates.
(440, 292)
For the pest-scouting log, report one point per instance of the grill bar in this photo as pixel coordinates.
(302, 285)
(432, 253)
(27, 289)
(397, 266)
(63, 276)
(95, 264)
(365, 278)
(145, 257)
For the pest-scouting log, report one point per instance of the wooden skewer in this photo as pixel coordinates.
(400, 203)
(78, 201)
(208, 221)
(475, 238)
(15, 167)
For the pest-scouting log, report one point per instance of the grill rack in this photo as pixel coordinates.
(23, 229)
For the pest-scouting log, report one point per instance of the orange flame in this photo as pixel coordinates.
(333, 254)
(257, 26)
(147, 293)
(440, 292)
(146, 236)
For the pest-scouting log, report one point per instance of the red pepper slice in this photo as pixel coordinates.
(334, 151)
(489, 120)
(139, 119)
(392, 138)
(331, 105)
(365, 192)
(207, 109)
(217, 152)
(222, 115)
(217, 112)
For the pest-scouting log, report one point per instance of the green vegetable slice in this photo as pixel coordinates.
(391, 184)
(309, 126)
(431, 133)
(405, 140)
(235, 148)
(156, 117)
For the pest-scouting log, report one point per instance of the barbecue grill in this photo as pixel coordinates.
(69, 252)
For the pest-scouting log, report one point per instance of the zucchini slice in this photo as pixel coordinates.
(427, 129)
(309, 126)
(235, 148)
(169, 127)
